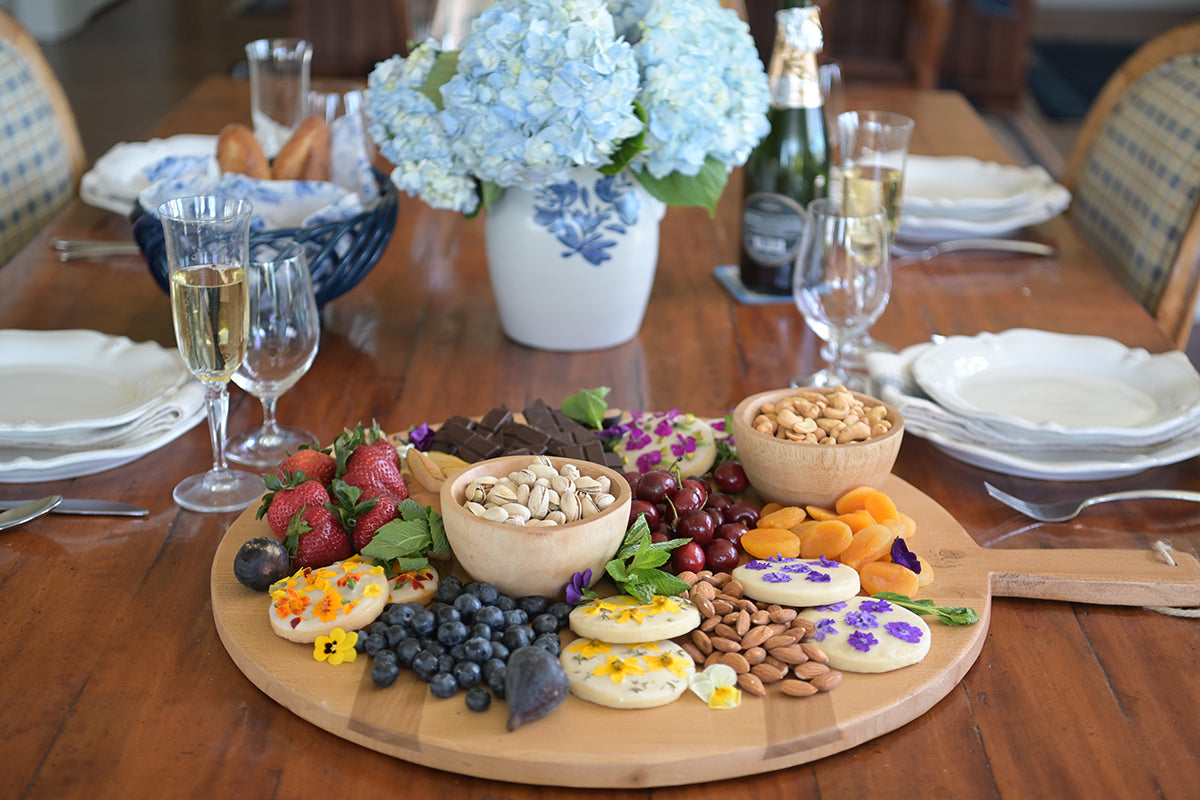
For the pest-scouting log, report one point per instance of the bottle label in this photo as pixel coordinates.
(772, 225)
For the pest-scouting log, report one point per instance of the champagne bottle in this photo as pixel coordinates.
(790, 166)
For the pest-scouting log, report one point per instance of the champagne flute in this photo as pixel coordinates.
(283, 335)
(841, 283)
(208, 241)
(874, 148)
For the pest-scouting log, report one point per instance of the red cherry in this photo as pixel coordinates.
(744, 513)
(697, 526)
(659, 536)
(698, 484)
(641, 507)
(732, 531)
(730, 477)
(689, 498)
(687, 557)
(719, 501)
(656, 485)
(721, 555)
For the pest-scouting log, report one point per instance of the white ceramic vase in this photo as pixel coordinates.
(572, 264)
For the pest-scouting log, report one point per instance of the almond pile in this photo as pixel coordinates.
(762, 642)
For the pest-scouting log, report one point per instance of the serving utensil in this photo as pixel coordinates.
(71, 249)
(1061, 512)
(88, 507)
(906, 253)
(27, 511)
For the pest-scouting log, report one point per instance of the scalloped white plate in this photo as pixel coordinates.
(60, 381)
(1088, 389)
(961, 187)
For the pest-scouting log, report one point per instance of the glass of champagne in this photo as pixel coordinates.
(283, 335)
(874, 148)
(841, 283)
(208, 242)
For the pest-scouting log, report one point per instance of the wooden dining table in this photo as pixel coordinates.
(114, 681)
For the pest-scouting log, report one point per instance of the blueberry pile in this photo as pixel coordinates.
(462, 640)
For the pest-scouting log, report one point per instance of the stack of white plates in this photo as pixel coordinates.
(76, 402)
(1046, 405)
(958, 197)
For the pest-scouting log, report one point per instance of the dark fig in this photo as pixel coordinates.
(534, 685)
(260, 562)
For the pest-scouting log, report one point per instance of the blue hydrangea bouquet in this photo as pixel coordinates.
(671, 90)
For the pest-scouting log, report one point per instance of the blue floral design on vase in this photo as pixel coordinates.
(587, 228)
(572, 262)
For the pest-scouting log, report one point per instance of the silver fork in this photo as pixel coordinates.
(1061, 512)
(1005, 245)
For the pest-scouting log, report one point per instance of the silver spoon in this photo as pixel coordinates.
(906, 253)
(31, 510)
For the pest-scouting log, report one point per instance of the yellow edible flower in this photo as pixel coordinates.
(617, 668)
(670, 662)
(337, 647)
(661, 604)
(328, 606)
(717, 686)
(590, 647)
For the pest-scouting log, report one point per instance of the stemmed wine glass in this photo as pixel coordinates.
(207, 243)
(284, 331)
(841, 283)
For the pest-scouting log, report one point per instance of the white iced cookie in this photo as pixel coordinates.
(864, 634)
(658, 441)
(797, 581)
(348, 594)
(414, 586)
(641, 675)
(624, 619)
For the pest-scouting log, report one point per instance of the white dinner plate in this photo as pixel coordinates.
(1088, 389)
(960, 187)
(1045, 205)
(1066, 465)
(31, 464)
(56, 382)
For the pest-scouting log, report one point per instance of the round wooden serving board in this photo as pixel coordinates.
(582, 744)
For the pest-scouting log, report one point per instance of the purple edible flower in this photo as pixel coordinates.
(875, 606)
(826, 563)
(638, 439)
(757, 565)
(861, 619)
(663, 429)
(683, 447)
(861, 640)
(905, 557)
(838, 606)
(421, 436)
(795, 568)
(903, 631)
(648, 461)
(776, 577)
(818, 577)
(824, 628)
(578, 586)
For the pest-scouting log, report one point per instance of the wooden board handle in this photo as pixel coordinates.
(1106, 577)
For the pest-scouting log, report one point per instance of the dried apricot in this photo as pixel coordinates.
(857, 520)
(769, 507)
(782, 517)
(829, 538)
(770, 542)
(884, 576)
(925, 576)
(853, 500)
(880, 506)
(910, 525)
(816, 512)
(869, 544)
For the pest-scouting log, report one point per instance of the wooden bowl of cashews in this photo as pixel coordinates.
(809, 446)
(528, 523)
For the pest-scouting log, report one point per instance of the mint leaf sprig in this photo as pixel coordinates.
(635, 567)
(587, 407)
(402, 544)
(947, 615)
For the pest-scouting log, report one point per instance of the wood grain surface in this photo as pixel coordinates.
(115, 682)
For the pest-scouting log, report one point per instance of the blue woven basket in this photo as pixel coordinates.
(340, 254)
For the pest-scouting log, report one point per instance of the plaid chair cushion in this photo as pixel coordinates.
(35, 169)
(1139, 185)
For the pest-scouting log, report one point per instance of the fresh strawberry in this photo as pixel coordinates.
(365, 525)
(315, 464)
(361, 512)
(377, 476)
(378, 450)
(285, 498)
(316, 539)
